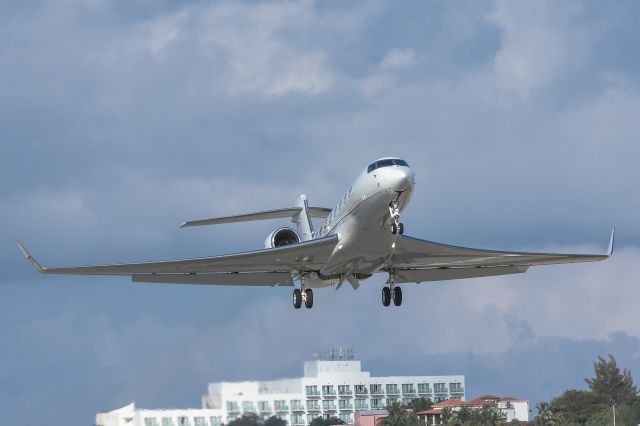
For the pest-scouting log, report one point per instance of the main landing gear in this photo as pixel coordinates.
(305, 296)
(396, 226)
(392, 291)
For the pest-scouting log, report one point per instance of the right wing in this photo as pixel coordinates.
(318, 212)
(248, 268)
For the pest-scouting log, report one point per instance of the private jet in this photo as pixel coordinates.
(361, 236)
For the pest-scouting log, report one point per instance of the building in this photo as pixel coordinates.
(333, 385)
(512, 408)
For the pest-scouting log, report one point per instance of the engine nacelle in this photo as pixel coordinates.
(282, 237)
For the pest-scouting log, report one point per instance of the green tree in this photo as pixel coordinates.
(276, 421)
(611, 383)
(575, 407)
(399, 416)
(544, 416)
(420, 404)
(249, 419)
(321, 421)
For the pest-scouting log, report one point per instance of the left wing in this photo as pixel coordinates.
(417, 260)
(249, 268)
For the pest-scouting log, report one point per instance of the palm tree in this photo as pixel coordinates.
(398, 416)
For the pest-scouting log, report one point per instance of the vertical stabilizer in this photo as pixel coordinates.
(303, 219)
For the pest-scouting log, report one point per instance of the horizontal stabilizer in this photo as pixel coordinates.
(274, 279)
(316, 212)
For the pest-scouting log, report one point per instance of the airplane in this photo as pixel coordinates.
(361, 236)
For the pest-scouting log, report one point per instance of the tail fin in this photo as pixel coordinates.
(303, 219)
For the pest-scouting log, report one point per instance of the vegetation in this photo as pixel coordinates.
(610, 387)
(486, 416)
(251, 419)
(419, 404)
(321, 421)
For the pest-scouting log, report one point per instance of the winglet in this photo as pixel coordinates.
(611, 241)
(31, 259)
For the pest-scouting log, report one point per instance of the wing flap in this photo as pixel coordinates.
(413, 253)
(308, 255)
(442, 274)
(272, 279)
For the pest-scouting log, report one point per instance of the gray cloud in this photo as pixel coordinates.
(119, 120)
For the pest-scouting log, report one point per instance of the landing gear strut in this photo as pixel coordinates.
(396, 226)
(392, 291)
(305, 296)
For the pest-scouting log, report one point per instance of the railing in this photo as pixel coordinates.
(393, 391)
(330, 392)
(297, 408)
(362, 392)
(313, 408)
(377, 392)
(346, 407)
(409, 392)
(438, 391)
(329, 407)
(345, 393)
(313, 393)
(282, 408)
(362, 406)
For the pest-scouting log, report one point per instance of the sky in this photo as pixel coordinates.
(121, 119)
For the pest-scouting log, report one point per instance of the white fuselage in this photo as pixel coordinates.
(362, 220)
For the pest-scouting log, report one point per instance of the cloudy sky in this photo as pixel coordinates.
(120, 119)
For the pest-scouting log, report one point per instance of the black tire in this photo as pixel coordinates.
(394, 228)
(386, 296)
(308, 301)
(297, 298)
(397, 296)
(401, 228)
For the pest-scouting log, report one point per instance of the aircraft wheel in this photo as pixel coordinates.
(308, 298)
(297, 298)
(397, 296)
(394, 228)
(401, 228)
(386, 296)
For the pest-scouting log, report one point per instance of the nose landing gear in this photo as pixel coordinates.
(396, 226)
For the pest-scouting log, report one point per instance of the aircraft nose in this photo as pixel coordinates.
(404, 179)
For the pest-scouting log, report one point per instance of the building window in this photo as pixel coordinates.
(328, 390)
(439, 388)
(344, 390)
(281, 405)
(248, 407)
(360, 389)
(424, 388)
(392, 390)
(345, 404)
(183, 421)
(264, 406)
(313, 404)
(361, 404)
(296, 405)
(455, 387)
(328, 404)
(377, 403)
(346, 417)
(376, 389)
(151, 421)
(199, 421)
(312, 391)
(392, 400)
(215, 420)
(406, 401)
(232, 407)
(297, 419)
(167, 421)
(408, 388)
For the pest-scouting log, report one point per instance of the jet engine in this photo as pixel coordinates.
(282, 237)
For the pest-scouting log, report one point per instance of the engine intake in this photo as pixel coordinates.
(282, 237)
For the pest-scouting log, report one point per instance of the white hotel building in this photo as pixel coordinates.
(332, 386)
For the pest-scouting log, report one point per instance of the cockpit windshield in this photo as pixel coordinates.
(386, 163)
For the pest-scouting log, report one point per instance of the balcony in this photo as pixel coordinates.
(345, 393)
(424, 391)
(361, 392)
(331, 393)
(282, 409)
(377, 406)
(440, 391)
(313, 394)
(297, 422)
(329, 407)
(362, 406)
(297, 408)
(457, 390)
(393, 392)
(377, 392)
(409, 392)
(346, 407)
(313, 408)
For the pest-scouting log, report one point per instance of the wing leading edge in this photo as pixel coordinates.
(416, 260)
(248, 268)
